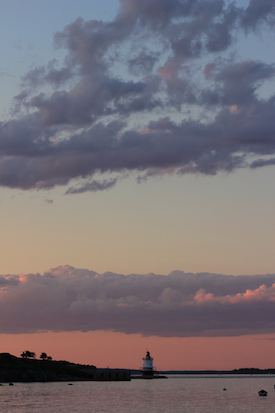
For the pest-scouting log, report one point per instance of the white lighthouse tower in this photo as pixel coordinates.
(147, 367)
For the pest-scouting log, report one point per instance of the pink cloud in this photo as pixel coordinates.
(179, 304)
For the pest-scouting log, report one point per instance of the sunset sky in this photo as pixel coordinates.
(137, 174)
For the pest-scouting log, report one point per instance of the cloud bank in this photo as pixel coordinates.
(177, 305)
(161, 87)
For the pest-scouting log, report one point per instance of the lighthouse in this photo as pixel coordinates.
(147, 367)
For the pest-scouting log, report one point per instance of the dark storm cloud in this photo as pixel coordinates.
(178, 305)
(109, 106)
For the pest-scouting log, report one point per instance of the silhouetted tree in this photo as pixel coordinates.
(44, 356)
(31, 355)
(28, 354)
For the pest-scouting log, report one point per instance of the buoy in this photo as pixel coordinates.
(262, 393)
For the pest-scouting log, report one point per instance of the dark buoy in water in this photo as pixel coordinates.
(10, 384)
(262, 393)
(224, 389)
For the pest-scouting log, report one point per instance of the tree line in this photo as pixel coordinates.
(31, 355)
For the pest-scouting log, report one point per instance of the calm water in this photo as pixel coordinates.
(177, 394)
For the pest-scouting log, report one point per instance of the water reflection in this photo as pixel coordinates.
(177, 394)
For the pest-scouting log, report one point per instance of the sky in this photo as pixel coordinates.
(137, 166)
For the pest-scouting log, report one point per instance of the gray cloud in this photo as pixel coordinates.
(111, 105)
(237, 84)
(143, 63)
(262, 162)
(179, 305)
(93, 186)
(50, 74)
(258, 12)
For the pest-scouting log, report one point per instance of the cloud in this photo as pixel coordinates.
(102, 110)
(92, 186)
(258, 12)
(179, 304)
(262, 162)
(48, 201)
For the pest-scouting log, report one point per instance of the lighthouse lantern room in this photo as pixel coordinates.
(147, 367)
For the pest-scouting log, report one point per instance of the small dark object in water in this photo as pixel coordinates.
(10, 384)
(224, 389)
(70, 384)
(262, 393)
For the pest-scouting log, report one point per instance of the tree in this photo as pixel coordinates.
(44, 356)
(28, 354)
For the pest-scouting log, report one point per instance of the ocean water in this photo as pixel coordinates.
(188, 394)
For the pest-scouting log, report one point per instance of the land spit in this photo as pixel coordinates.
(14, 369)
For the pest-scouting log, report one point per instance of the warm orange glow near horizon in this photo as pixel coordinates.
(117, 350)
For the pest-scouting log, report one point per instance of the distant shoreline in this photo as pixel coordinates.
(242, 371)
(16, 369)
